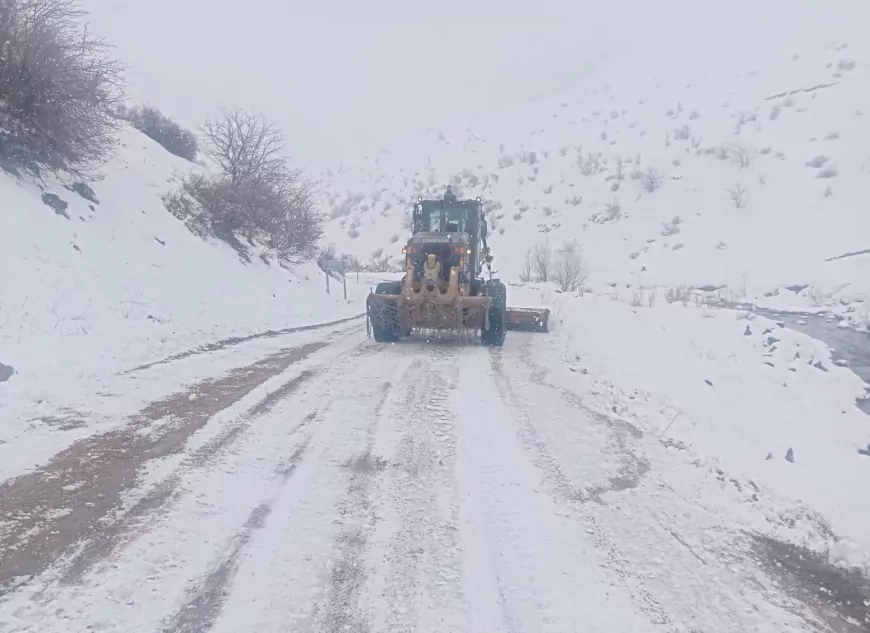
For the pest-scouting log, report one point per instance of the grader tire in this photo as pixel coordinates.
(384, 315)
(494, 335)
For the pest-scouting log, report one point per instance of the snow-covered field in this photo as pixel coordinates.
(741, 164)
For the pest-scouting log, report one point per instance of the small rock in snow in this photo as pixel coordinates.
(841, 362)
(191, 397)
(789, 455)
(709, 382)
(6, 372)
(769, 456)
(747, 331)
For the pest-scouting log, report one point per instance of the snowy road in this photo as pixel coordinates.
(340, 485)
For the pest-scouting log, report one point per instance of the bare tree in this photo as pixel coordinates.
(245, 146)
(569, 270)
(542, 260)
(59, 88)
(526, 272)
(259, 195)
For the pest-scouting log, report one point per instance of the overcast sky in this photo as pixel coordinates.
(342, 76)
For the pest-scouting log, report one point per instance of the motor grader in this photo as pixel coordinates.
(443, 287)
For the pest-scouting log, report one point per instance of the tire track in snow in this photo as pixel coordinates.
(565, 490)
(342, 612)
(421, 567)
(530, 564)
(633, 468)
(199, 613)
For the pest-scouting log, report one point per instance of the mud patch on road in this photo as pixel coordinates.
(199, 614)
(65, 501)
(839, 597)
(102, 544)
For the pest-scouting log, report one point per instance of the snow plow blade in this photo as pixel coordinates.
(528, 319)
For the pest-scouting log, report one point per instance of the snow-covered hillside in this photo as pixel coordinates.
(749, 170)
(91, 289)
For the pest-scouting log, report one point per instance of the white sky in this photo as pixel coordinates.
(343, 76)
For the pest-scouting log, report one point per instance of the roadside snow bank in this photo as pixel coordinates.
(763, 403)
(94, 288)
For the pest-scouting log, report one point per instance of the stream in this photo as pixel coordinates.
(848, 345)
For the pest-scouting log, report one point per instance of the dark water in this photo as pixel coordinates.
(847, 344)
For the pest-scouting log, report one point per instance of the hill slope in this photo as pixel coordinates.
(95, 288)
(749, 171)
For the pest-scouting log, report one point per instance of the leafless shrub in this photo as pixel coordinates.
(591, 164)
(681, 293)
(636, 300)
(828, 172)
(505, 160)
(257, 195)
(542, 261)
(739, 195)
(526, 271)
(722, 152)
(682, 133)
(818, 295)
(160, 128)
(817, 162)
(832, 136)
(569, 270)
(845, 64)
(694, 114)
(828, 192)
(574, 200)
(743, 156)
(612, 212)
(59, 88)
(651, 179)
(672, 227)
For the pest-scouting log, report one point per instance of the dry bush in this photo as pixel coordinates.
(651, 179)
(526, 271)
(743, 156)
(569, 270)
(739, 195)
(160, 128)
(257, 195)
(542, 261)
(59, 89)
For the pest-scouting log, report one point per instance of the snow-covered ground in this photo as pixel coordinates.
(97, 289)
(740, 163)
(190, 442)
(564, 482)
